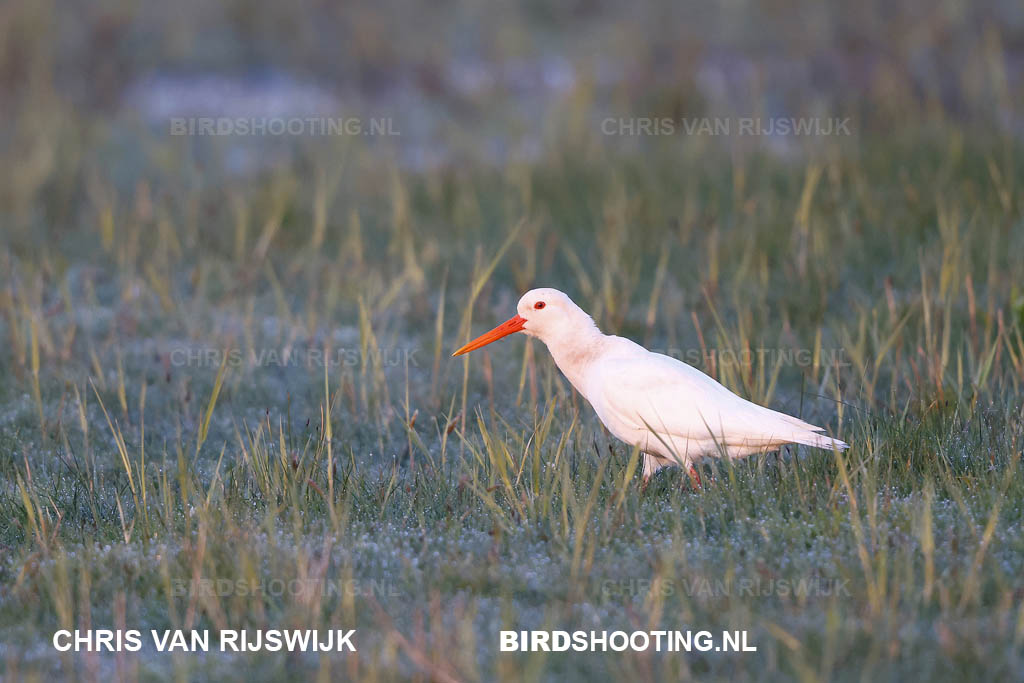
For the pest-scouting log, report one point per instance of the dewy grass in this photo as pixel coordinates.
(240, 413)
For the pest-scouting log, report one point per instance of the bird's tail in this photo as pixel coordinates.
(805, 433)
(820, 441)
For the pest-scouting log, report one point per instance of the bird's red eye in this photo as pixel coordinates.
(539, 305)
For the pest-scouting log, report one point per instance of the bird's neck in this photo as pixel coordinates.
(574, 353)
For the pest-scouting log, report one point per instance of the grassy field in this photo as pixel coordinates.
(227, 401)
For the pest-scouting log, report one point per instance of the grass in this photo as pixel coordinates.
(155, 445)
(176, 453)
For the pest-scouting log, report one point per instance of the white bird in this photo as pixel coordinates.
(674, 413)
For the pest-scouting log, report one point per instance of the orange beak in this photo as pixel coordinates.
(510, 326)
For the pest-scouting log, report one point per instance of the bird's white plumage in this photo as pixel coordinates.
(673, 412)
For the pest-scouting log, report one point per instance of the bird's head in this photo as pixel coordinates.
(545, 313)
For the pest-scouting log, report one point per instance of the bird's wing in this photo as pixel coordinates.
(653, 392)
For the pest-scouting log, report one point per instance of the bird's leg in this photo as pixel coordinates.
(650, 467)
(695, 478)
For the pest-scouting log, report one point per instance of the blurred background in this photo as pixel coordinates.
(87, 85)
